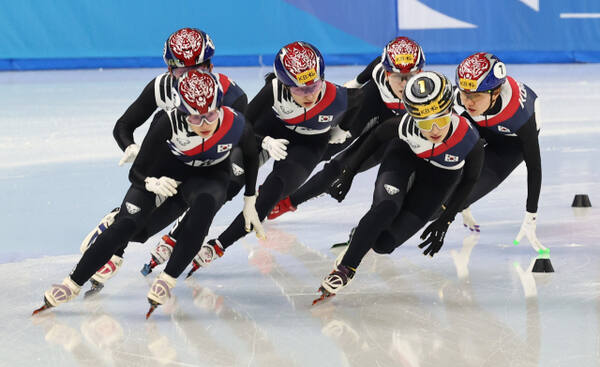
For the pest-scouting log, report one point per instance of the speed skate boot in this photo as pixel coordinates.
(103, 274)
(160, 291)
(282, 207)
(160, 254)
(59, 293)
(105, 222)
(338, 279)
(207, 254)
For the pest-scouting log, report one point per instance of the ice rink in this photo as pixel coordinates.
(476, 303)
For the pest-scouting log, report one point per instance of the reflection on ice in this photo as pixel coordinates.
(476, 303)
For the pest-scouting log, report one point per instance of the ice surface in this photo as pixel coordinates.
(474, 304)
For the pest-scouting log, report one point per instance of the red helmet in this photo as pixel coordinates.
(198, 92)
(402, 55)
(299, 64)
(480, 72)
(188, 47)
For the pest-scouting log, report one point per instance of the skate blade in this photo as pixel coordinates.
(96, 288)
(46, 306)
(189, 274)
(153, 306)
(324, 295)
(146, 270)
(341, 244)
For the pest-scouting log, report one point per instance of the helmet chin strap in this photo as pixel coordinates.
(492, 102)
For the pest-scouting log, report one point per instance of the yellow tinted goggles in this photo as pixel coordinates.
(440, 122)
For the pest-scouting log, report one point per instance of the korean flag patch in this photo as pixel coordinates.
(325, 118)
(223, 147)
(450, 158)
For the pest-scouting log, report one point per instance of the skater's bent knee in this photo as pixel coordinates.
(385, 244)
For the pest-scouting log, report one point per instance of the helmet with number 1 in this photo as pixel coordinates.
(402, 55)
(480, 72)
(188, 47)
(198, 92)
(428, 95)
(299, 64)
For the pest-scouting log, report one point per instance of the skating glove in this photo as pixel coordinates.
(130, 153)
(340, 187)
(251, 217)
(469, 220)
(277, 148)
(352, 84)
(338, 135)
(433, 236)
(528, 230)
(164, 186)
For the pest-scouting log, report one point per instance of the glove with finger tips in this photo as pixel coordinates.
(528, 229)
(130, 153)
(251, 220)
(469, 220)
(277, 148)
(340, 187)
(338, 135)
(352, 84)
(163, 186)
(434, 235)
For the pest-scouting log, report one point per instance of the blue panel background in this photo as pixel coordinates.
(111, 33)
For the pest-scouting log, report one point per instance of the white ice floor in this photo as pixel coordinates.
(474, 304)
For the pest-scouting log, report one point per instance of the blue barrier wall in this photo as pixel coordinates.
(111, 33)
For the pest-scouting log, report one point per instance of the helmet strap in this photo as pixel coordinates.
(493, 93)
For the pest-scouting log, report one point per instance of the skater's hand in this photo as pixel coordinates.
(251, 217)
(164, 186)
(340, 187)
(130, 153)
(528, 230)
(469, 220)
(352, 84)
(338, 135)
(277, 148)
(434, 236)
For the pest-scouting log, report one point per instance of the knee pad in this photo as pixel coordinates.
(385, 243)
(140, 236)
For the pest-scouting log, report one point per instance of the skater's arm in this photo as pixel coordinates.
(365, 75)
(355, 99)
(250, 157)
(528, 135)
(382, 135)
(240, 104)
(470, 175)
(153, 152)
(262, 102)
(139, 111)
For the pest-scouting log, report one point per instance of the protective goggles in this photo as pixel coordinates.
(178, 72)
(208, 118)
(400, 77)
(441, 122)
(474, 96)
(307, 90)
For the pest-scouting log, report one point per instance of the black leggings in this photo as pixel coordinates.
(397, 211)
(204, 194)
(304, 153)
(498, 164)
(320, 182)
(175, 208)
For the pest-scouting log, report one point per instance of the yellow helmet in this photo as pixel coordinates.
(428, 95)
